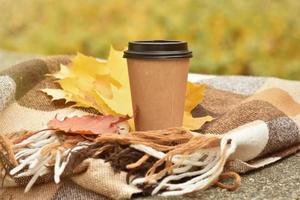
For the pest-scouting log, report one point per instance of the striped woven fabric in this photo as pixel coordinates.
(260, 117)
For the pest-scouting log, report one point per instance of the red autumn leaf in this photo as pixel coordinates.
(88, 124)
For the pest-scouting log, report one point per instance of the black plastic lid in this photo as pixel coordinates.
(157, 49)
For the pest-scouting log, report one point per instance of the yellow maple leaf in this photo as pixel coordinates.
(121, 100)
(63, 73)
(103, 83)
(58, 94)
(192, 123)
(194, 95)
(91, 82)
(83, 66)
(84, 93)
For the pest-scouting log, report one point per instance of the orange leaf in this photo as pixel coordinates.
(88, 124)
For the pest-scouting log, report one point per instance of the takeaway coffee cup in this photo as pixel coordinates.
(158, 72)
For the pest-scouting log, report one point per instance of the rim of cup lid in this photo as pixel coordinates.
(157, 49)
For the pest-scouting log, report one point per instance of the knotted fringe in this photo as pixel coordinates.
(226, 175)
(167, 162)
(31, 157)
(163, 140)
(187, 161)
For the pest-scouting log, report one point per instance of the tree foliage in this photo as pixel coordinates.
(227, 37)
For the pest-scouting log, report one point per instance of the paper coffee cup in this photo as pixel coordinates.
(158, 72)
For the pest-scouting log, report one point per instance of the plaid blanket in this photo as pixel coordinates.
(260, 115)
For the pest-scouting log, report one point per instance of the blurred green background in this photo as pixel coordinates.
(257, 37)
